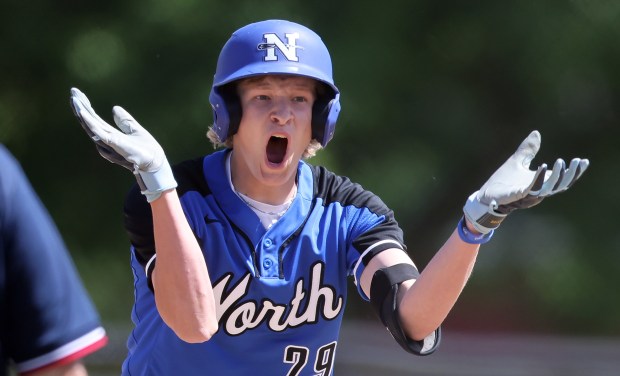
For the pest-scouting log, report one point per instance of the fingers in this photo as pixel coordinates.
(538, 180)
(583, 166)
(571, 174)
(528, 149)
(554, 179)
(76, 94)
(79, 99)
(101, 131)
(87, 123)
(95, 127)
(75, 106)
(561, 178)
(125, 121)
(131, 147)
(579, 166)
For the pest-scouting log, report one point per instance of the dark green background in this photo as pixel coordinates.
(435, 96)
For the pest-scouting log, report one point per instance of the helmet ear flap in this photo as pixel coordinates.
(332, 117)
(226, 110)
(324, 116)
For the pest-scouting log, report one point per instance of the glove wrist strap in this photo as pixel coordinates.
(152, 184)
(483, 217)
(489, 220)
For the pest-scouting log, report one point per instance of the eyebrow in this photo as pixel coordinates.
(262, 82)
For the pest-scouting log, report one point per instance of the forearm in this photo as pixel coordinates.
(426, 304)
(183, 292)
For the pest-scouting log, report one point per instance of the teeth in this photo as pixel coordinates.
(276, 136)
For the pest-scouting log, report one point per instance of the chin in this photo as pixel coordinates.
(278, 176)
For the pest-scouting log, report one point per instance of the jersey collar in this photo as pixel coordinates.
(214, 170)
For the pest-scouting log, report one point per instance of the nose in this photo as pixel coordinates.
(281, 112)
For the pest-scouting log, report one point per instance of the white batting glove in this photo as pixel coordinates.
(134, 148)
(514, 186)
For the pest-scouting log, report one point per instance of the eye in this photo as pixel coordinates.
(262, 97)
(300, 99)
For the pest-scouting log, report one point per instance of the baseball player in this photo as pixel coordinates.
(241, 257)
(47, 320)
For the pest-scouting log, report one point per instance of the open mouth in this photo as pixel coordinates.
(276, 149)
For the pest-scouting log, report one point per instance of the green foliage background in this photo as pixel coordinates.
(435, 95)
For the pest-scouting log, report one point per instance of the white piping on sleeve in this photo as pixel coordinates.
(359, 260)
(148, 264)
(64, 351)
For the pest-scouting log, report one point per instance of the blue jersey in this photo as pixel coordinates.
(46, 316)
(280, 293)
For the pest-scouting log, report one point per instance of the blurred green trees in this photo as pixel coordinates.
(435, 95)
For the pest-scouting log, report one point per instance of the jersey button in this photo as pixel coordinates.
(267, 263)
(267, 243)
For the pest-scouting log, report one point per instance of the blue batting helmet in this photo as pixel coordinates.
(274, 47)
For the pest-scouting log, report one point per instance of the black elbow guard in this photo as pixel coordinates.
(384, 299)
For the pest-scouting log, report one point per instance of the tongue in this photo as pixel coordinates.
(276, 149)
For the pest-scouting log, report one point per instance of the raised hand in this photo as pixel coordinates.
(514, 186)
(134, 148)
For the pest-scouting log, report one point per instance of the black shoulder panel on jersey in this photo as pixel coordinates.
(384, 299)
(334, 188)
(139, 224)
(137, 211)
(190, 177)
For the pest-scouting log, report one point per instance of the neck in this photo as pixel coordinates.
(268, 195)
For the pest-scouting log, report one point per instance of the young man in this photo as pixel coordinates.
(241, 257)
(47, 320)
